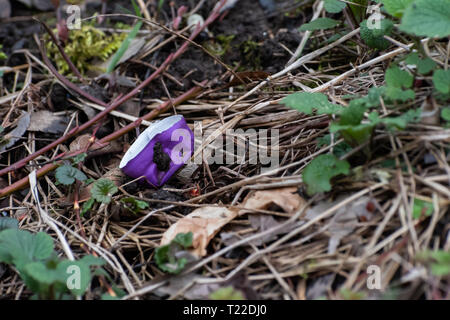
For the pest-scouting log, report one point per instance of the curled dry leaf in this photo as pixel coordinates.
(286, 198)
(204, 223)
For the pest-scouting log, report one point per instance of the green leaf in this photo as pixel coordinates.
(395, 77)
(374, 37)
(422, 208)
(167, 262)
(8, 223)
(321, 170)
(423, 65)
(445, 113)
(123, 47)
(79, 158)
(353, 114)
(429, 18)
(440, 270)
(354, 135)
(319, 24)
(396, 7)
(133, 204)
(67, 174)
(227, 293)
(41, 273)
(305, 102)
(103, 189)
(399, 122)
(399, 94)
(441, 80)
(91, 260)
(87, 206)
(184, 239)
(334, 6)
(21, 247)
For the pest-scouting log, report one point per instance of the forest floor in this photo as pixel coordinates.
(380, 231)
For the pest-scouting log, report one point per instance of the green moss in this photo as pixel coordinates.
(252, 54)
(84, 46)
(220, 45)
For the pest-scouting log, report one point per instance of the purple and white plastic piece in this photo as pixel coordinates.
(159, 151)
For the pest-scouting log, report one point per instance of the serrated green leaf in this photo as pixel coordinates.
(399, 122)
(441, 80)
(430, 18)
(79, 158)
(184, 239)
(67, 174)
(334, 6)
(397, 78)
(91, 260)
(374, 38)
(321, 170)
(21, 247)
(8, 223)
(354, 135)
(423, 65)
(306, 102)
(103, 189)
(399, 94)
(319, 24)
(422, 208)
(396, 7)
(87, 206)
(354, 113)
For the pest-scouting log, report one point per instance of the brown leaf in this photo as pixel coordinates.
(48, 122)
(285, 198)
(204, 223)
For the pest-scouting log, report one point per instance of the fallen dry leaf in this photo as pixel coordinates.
(48, 122)
(286, 198)
(204, 223)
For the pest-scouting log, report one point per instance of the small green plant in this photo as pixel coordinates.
(227, 293)
(167, 256)
(374, 38)
(43, 272)
(133, 204)
(321, 170)
(439, 261)
(422, 208)
(67, 174)
(102, 192)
